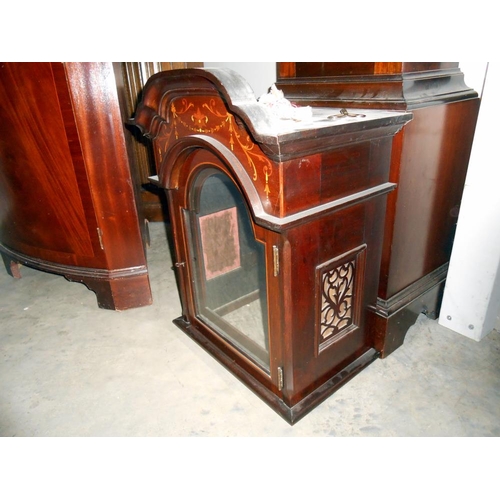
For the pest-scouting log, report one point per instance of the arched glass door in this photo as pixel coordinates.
(228, 265)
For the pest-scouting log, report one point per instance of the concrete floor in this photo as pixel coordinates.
(70, 369)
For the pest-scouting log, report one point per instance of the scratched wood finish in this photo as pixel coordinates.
(67, 203)
(429, 164)
(317, 198)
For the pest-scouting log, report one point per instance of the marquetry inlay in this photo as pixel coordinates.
(202, 115)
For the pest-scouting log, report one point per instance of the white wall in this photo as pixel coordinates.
(474, 73)
(259, 75)
(471, 301)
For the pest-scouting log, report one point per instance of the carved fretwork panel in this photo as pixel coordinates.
(339, 292)
(336, 300)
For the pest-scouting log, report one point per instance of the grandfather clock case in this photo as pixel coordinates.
(429, 165)
(277, 228)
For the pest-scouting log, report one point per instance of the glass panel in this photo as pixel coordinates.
(229, 266)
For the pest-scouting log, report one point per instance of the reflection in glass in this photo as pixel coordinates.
(229, 266)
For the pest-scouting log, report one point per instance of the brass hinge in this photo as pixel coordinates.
(276, 260)
(280, 378)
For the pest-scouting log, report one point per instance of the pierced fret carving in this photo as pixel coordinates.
(336, 303)
(339, 295)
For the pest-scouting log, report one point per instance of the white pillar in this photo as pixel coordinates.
(471, 301)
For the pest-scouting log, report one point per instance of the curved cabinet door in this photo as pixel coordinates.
(67, 202)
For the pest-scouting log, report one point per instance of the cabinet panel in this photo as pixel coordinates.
(429, 162)
(67, 201)
(41, 183)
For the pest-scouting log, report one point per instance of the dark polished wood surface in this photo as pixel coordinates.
(424, 209)
(67, 202)
(429, 164)
(317, 196)
(135, 75)
(390, 85)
